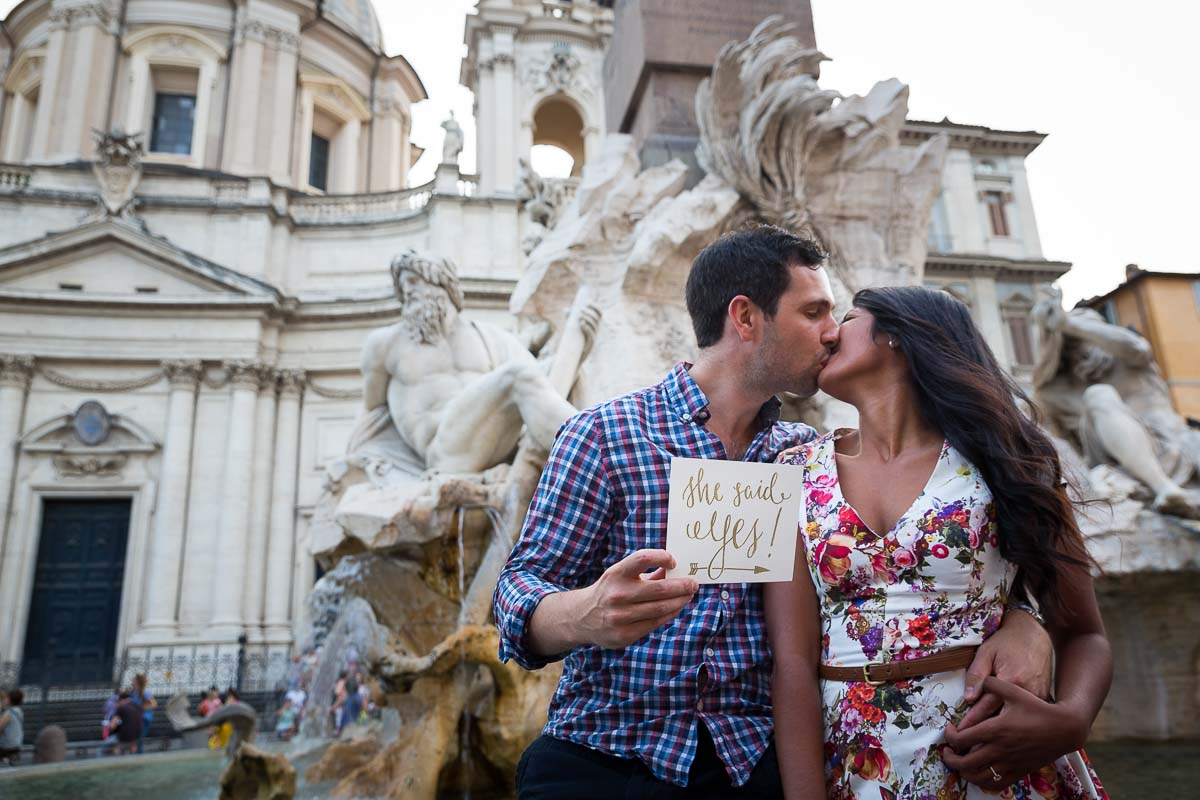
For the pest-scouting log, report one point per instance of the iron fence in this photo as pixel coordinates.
(170, 669)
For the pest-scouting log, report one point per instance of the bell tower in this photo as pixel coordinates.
(535, 67)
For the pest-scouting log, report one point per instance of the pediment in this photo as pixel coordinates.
(89, 443)
(115, 259)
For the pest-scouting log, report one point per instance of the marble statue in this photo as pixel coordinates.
(452, 142)
(542, 199)
(808, 159)
(777, 148)
(251, 774)
(1099, 387)
(451, 394)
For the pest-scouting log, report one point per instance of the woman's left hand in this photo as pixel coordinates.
(1025, 735)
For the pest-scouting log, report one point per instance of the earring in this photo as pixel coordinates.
(891, 343)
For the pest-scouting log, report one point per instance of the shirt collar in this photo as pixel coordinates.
(689, 404)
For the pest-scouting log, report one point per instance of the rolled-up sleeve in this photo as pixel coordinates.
(567, 518)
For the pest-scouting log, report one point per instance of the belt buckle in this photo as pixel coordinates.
(867, 673)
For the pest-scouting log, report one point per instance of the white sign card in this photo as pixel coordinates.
(734, 521)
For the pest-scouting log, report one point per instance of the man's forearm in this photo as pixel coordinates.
(553, 628)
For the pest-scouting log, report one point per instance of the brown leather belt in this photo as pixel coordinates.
(877, 672)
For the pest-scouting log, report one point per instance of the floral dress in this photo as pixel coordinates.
(936, 580)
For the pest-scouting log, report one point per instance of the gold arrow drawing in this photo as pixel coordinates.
(756, 569)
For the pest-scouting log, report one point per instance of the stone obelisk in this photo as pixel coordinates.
(661, 50)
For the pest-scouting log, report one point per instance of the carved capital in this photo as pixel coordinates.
(84, 14)
(182, 374)
(16, 371)
(291, 382)
(244, 374)
(258, 31)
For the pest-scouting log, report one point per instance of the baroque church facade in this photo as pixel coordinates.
(180, 329)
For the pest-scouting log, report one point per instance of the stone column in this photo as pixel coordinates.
(246, 105)
(170, 511)
(260, 501)
(343, 158)
(280, 555)
(15, 375)
(504, 135)
(227, 620)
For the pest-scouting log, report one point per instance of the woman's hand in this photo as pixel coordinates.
(1027, 734)
(1020, 653)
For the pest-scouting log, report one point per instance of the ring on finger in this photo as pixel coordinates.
(995, 775)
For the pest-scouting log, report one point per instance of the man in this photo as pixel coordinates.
(128, 721)
(665, 689)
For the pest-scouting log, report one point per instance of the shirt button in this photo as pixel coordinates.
(710, 652)
(700, 705)
(686, 417)
(724, 595)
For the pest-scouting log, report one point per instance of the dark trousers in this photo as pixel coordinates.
(551, 769)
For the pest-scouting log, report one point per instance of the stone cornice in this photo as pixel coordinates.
(1039, 269)
(976, 138)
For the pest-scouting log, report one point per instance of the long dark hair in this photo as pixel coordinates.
(965, 393)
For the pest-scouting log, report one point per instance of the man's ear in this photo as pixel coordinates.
(746, 318)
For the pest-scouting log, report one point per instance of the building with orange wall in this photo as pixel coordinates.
(1164, 307)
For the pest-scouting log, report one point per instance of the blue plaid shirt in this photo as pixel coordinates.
(602, 496)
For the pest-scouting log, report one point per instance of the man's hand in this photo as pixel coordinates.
(1023, 737)
(631, 599)
(1021, 653)
(627, 602)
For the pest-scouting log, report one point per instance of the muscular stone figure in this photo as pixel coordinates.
(448, 394)
(1098, 384)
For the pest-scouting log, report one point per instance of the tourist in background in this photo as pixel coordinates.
(143, 699)
(350, 706)
(298, 697)
(127, 719)
(107, 732)
(211, 702)
(285, 725)
(12, 726)
(339, 702)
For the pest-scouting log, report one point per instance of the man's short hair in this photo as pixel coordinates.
(15, 697)
(435, 271)
(751, 261)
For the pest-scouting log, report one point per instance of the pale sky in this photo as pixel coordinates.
(1115, 85)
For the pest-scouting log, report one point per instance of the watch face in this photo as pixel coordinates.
(92, 423)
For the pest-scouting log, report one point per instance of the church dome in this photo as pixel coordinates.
(358, 18)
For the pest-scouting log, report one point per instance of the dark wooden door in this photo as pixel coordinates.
(72, 632)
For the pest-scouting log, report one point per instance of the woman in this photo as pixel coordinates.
(899, 579)
(142, 698)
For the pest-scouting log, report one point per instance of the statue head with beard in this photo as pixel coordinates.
(428, 291)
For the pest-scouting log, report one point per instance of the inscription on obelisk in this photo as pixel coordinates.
(661, 50)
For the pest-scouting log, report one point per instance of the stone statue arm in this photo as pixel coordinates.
(374, 371)
(1126, 345)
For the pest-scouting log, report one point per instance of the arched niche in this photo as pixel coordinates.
(558, 121)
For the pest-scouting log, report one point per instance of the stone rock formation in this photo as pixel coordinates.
(50, 746)
(254, 774)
